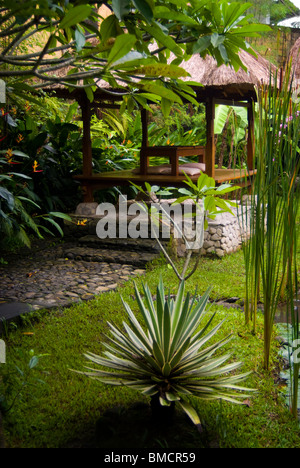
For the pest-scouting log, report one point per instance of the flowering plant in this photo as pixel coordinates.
(19, 207)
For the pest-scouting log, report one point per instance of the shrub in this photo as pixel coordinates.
(169, 361)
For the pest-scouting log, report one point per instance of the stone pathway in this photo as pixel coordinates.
(54, 275)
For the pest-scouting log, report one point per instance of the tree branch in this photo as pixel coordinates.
(7, 32)
(50, 51)
(43, 53)
(24, 38)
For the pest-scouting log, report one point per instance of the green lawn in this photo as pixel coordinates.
(65, 408)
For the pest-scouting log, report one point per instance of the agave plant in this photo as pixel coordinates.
(169, 360)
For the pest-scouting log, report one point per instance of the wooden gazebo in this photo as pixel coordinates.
(221, 85)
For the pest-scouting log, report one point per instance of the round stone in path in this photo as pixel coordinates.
(46, 277)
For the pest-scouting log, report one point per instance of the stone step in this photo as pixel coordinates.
(137, 259)
(132, 245)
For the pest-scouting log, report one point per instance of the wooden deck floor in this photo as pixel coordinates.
(121, 178)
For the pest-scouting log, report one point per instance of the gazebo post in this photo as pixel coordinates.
(144, 161)
(144, 117)
(86, 146)
(210, 149)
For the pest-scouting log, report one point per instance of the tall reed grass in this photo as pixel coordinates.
(270, 255)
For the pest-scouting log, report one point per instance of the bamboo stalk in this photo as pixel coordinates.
(270, 255)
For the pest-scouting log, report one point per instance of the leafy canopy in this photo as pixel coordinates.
(128, 47)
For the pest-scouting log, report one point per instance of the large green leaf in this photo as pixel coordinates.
(8, 197)
(58, 214)
(28, 200)
(166, 370)
(121, 8)
(251, 30)
(137, 328)
(75, 15)
(149, 315)
(178, 353)
(159, 90)
(80, 40)
(161, 69)
(202, 44)
(166, 334)
(190, 411)
(217, 39)
(166, 105)
(178, 306)
(162, 38)
(122, 45)
(221, 115)
(137, 340)
(144, 8)
(132, 62)
(195, 316)
(54, 223)
(232, 12)
(172, 397)
(157, 352)
(110, 28)
(165, 13)
(16, 153)
(178, 327)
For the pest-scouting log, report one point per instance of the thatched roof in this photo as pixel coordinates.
(224, 80)
(294, 57)
(207, 72)
(219, 81)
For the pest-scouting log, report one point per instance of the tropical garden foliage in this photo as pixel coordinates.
(274, 11)
(132, 43)
(45, 43)
(130, 47)
(272, 267)
(169, 362)
(27, 200)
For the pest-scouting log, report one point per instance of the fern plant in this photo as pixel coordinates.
(19, 207)
(171, 359)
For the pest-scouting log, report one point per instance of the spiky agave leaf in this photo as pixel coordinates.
(166, 355)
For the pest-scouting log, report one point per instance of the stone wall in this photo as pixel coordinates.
(224, 234)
